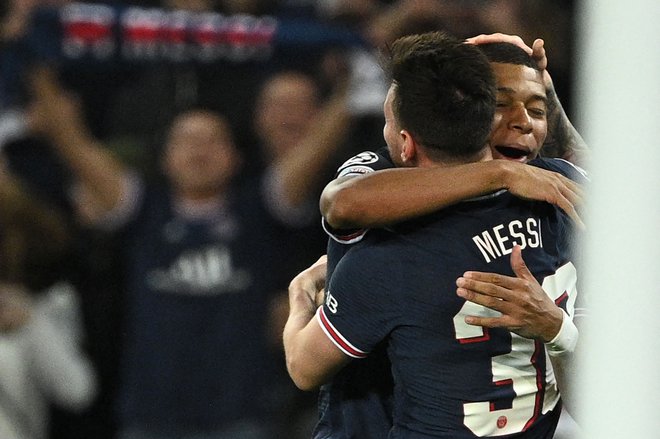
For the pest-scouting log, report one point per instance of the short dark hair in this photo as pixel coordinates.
(445, 93)
(507, 53)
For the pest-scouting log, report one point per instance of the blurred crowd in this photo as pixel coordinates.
(157, 196)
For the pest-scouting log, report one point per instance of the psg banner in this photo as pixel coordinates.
(96, 35)
(136, 34)
(93, 32)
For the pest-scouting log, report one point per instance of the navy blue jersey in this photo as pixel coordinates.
(198, 295)
(360, 164)
(453, 380)
(357, 403)
(365, 162)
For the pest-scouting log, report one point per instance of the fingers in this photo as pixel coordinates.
(538, 53)
(500, 38)
(487, 284)
(572, 186)
(489, 322)
(569, 195)
(568, 207)
(491, 301)
(518, 264)
(556, 189)
(572, 213)
(489, 289)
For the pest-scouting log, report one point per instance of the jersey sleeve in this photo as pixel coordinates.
(360, 164)
(360, 309)
(365, 162)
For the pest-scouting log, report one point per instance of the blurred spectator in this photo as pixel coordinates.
(204, 257)
(41, 359)
(295, 126)
(15, 18)
(130, 117)
(35, 238)
(300, 137)
(197, 300)
(15, 21)
(91, 267)
(382, 21)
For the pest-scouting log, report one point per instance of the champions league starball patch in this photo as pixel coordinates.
(363, 158)
(358, 164)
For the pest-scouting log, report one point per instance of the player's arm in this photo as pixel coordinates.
(525, 310)
(393, 195)
(311, 357)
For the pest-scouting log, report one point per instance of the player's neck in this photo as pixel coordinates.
(427, 161)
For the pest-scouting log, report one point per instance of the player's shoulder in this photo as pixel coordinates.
(563, 167)
(371, 249)
(367, 265)
(366, 162)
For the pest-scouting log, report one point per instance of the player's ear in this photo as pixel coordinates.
(408, 148)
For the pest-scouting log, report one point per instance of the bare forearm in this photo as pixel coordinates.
(311, 358)
(393, 195)
(299, 366)
(303, 290)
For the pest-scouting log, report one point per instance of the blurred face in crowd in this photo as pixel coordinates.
(520, 125)
(285, 112)
(200, 155)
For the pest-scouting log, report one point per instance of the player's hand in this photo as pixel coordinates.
(537, 51)
(309, 285)
(539, 55)
(526, 309)
(534, 183)
(502, 38)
